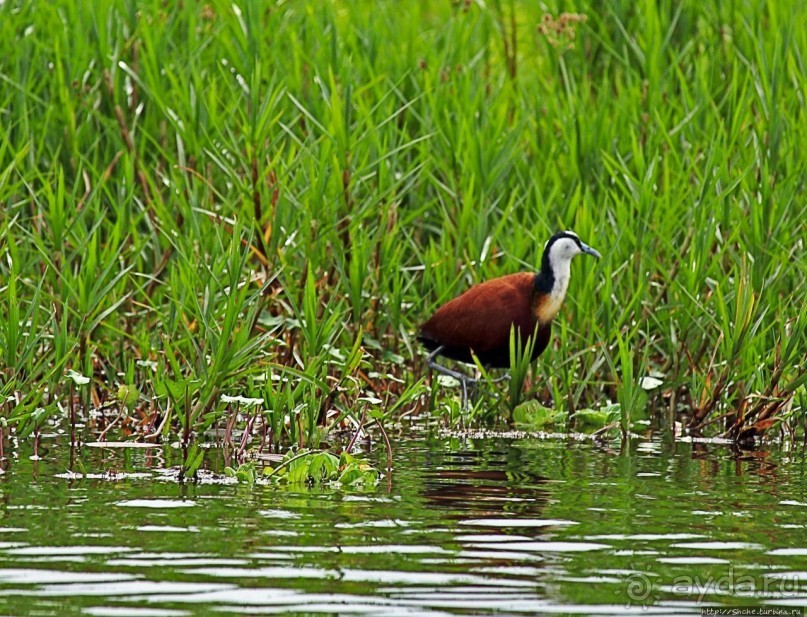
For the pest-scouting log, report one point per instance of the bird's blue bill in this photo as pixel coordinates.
(590, 251)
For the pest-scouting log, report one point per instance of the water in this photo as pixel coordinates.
(464, 527)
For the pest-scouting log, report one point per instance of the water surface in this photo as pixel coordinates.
(463, 527)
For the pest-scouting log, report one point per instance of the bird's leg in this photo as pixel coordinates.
(469, 392)
(433, 364)
(505, 377)
(473, 392)
(465, 380)
(463, 402)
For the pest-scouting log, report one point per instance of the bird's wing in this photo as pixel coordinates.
(481, 318)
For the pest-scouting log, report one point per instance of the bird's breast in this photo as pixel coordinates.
(547, 306)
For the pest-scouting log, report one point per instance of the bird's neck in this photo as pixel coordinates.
(551, 283)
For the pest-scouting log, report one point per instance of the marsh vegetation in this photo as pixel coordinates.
(262, 201)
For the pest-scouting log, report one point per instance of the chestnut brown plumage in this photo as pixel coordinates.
(480, 320)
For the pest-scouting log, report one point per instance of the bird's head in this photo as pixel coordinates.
(561, 248)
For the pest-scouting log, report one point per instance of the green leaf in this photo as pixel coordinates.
(531, 414)
(298, 472)
(596, 418)
(128, 394)
(350, 474)
(317, 467)
(193, 461)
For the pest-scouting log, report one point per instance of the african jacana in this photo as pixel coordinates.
(479, 321)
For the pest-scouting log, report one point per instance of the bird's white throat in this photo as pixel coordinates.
(561, 270)
(561, 252)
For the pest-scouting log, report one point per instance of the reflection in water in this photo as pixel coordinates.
(483, 483)
(472, 493)
(519, 527)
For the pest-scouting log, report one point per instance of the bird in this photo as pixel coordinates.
(479, 321)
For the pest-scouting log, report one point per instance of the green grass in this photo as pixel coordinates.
(265, 199)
